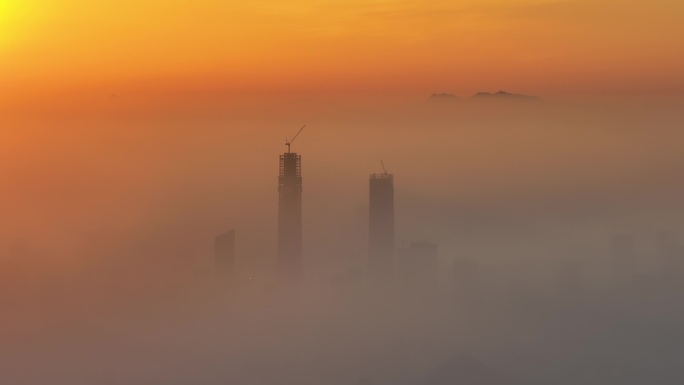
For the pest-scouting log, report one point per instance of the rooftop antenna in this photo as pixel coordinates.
(384, 170)
(289, 142)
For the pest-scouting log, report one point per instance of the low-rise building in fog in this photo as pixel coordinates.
(224, 256)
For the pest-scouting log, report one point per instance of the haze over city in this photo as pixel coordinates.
(341, 192)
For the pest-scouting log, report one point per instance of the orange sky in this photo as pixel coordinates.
(533, 46)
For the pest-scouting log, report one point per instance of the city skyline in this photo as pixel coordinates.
(341, 192)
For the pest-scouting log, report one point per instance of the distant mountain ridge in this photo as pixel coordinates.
(500, 95)
(443, 96)
(506, 95)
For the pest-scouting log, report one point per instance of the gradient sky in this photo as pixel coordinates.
(411, 46)
(134, 131)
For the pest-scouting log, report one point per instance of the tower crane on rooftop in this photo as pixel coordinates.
(289, 142)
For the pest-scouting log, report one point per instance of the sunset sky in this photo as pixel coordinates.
(133, 132)
(554, 47)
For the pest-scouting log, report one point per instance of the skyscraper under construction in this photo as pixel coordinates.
(381, 226)
(290, 216)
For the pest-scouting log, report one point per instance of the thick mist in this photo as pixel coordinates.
(558, 226)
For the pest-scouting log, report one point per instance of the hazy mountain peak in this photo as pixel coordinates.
(506, 95)
(443, 96)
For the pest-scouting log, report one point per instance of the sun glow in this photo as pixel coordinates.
(17, 18)
(411, 46)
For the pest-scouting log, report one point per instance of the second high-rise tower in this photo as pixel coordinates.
(381, 226)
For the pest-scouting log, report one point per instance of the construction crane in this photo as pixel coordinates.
(289, 142)
(384, 170)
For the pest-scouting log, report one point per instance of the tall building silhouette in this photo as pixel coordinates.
(224, 255)
(290, 217)
(381, 226)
